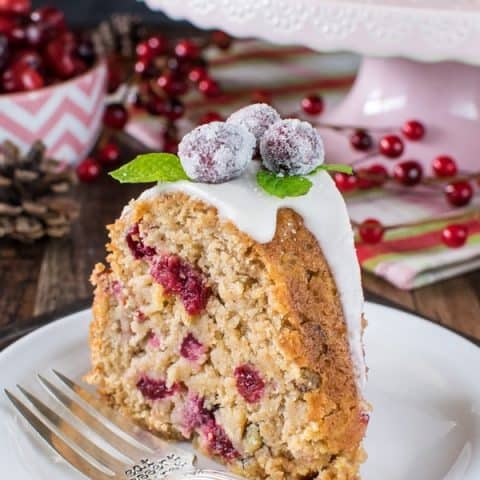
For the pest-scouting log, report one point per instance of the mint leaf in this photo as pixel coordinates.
(282, 187)
(334, 167)
(151, 167)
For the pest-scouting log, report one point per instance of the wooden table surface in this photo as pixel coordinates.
(42, 281)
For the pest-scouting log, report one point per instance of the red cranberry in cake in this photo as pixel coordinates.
(154, 341)
(135, 243)
(292, 147)
(218, 442)
(155, 389)
(191, 348)
(194, 414)
(216, 152)
(249, 383)
(256, 118)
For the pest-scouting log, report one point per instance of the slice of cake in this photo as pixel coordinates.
(232, 317)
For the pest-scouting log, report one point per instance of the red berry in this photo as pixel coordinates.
(371, 231)
(459, 193)
(344, 182)
(4, 52)
(30, 58)
(172, 84)
(170, 144)
(17, 7)
(109, 154)
(21, 78)
(173, 109)
(408, 173)
(209, 117)
(7, 26)
(60, 56)
(444, 166)
(313, 105)
(141, 67)
(413, 130)
(187, 49)
(209, 87)
(221, 39)
(89, 170)
(152, 47)
(155, 105)
(361, 140)
(115, 116)
(261, 96)
(249, 382)
(455, 236)
(377, 175)
(197, 73)
(391, 146)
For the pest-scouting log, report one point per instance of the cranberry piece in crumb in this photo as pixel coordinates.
(249, 383)
(154, 341)
(218, 442)
(155, 389)
(181, 278)
(364, 418)
(195, 414)
(135, 243)
(191, 348)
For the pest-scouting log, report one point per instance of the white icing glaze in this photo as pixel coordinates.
(324, 212)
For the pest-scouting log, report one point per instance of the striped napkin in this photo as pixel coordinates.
(409, 257)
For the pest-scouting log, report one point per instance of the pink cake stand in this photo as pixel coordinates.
(420, 62)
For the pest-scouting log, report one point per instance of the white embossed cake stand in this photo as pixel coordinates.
(421, 60)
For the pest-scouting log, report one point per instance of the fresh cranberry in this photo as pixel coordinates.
(155, 389)
(154, 341)
(344, 182)
(34, 35)
(261, 96)
(172, 84)
(109, 154)
(187, 49)
(371, 231)
(173, 109)
(4, 52)
(180, 66)
(373, 176)
(249, 383)
(391, 146)
(313, 105)
(221, 39)
(218, 442)
(17, 7)
(21, 78)
(170, 144)
(209, 87)
(209, 117)
(191, 348)
(197, 73)
(183, 279)
(413, 130)
(50, 18)
(455, 236)
(115, 116)
(7, 27)
(28, 57)
(408, 173)
(152, 47)
(444, 166)
(459, 193)
(135, 243)
(60, 56)
(88, 170)
(361, 140)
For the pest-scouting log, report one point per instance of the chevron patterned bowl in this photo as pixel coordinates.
(66, 116)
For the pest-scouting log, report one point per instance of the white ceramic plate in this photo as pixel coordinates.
(424, 386)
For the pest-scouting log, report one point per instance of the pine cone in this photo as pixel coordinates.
(33, 194)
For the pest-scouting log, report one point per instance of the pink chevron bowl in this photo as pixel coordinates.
(67, 117)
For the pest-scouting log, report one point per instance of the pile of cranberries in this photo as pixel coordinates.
(37, 48)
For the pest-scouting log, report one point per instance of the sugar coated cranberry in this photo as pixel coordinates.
(444, 166)
(18, 7)
(292, 147)
(135, 243)
(459, 193)
(191, 348)
(455, 236)
(109, 154)
(209, 87)
(413, 130)
(256, 118)
(361, 140)
(115, 116)
(153, 389)
(344, 182)
(218, 442)
(88, 170)
(408, 173)
(391, 146)
(221, 39)
(187, 49)
(312, 104)
(209, 117)
(216, 152)
(371, 231)
(250, 384)
(172, 84)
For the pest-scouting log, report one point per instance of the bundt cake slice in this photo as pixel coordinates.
(233, 318)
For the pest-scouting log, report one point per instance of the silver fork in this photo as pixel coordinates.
(139, 455)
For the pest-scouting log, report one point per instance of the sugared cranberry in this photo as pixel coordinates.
(455, 236)
(459, 193)
(17, 7)
(191, 348)
(361, 140)
(187, 49)
(209, 87)
(344, 182)
(313, 105)
(413, 130)
(173, 108)
(172, 84)
(391, 146)
(109, 154)
(371, 231)
(115, 116)
(250, 384)
(408, 173)
(88, 170)
(155, 389)
(373, 176)
(221, 39)
(135, 243)
(181, 278)
(444, 166)
(152, 47)
(261, 96)
(196, 74)
(209, 117)
(216, 152)
(218, 442)
(292, 147)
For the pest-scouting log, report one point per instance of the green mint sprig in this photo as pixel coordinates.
(151, 167)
